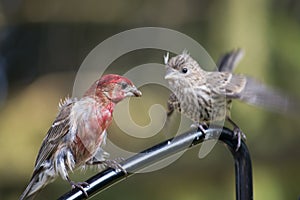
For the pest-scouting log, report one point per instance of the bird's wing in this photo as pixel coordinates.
(58, 130)
(172, 104)
(253, 92)
(234, 84)
(229, 61)
(246, 88)
(226, 84)
(256, 93)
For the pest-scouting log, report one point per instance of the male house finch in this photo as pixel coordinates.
(205, 97)
(78, 131)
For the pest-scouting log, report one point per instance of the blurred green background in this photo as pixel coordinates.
(43, 43)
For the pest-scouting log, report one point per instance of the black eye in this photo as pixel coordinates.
(124, 85)
(184, 70)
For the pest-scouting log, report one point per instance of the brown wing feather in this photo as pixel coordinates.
(225, 83)
(172, 104)
(234, 85)
(258, 94)
(59, 129)
(229, 61)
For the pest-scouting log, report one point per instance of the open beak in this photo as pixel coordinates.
(134, 92)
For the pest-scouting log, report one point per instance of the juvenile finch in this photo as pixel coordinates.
(78, 132)
(227, 63)
(205, 97)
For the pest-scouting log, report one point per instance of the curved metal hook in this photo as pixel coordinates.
(108, 177)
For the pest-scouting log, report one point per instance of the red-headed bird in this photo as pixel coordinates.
(78, 131)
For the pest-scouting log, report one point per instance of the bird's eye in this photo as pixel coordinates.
(124, 85)
(184, 70)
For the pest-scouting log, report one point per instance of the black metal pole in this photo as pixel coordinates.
(243, 166)
(108, 177)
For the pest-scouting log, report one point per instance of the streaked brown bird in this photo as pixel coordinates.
(205, 96)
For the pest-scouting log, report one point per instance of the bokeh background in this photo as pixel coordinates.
(43, 43)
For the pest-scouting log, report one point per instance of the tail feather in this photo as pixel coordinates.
(30, 191)
(38, 181)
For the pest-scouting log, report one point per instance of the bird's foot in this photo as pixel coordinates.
(240, 136)
(115, 165)
(200, 126)
(238, 133)
(110, 163)
(80, 186)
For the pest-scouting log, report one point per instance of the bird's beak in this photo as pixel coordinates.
(134, 92)
(170, 74)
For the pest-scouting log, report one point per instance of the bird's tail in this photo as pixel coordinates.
(29, 192)
(37, 182)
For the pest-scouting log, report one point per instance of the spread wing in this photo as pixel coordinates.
(256, 93)
(58, 130)
(229, 61)
(226, 84)
(253, 92)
